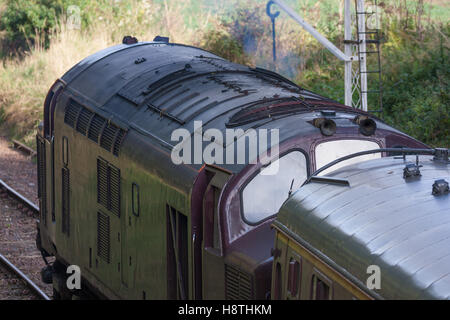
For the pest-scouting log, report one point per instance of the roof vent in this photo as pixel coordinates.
(161, 39)
(411, 170)
(129, 40)
(440, 187)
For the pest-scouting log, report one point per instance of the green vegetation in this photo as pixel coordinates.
(39, 45)
(417, 84)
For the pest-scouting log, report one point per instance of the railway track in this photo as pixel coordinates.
(18, 197)
(17, 272)
(23, 203)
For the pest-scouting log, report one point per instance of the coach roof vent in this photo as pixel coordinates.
(129, 40)
(411, 170)
(440, 187)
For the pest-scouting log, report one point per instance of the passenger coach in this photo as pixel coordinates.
(378, 229)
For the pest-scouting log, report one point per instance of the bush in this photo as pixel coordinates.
(416, 86)
(415, 56)
(30, 22)
(235, 36)
(416, 80)
(24, 21)
(224, 45)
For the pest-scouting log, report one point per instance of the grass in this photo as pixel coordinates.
(24, 83)
(415, 53)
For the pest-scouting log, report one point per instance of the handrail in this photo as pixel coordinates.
(403, 151)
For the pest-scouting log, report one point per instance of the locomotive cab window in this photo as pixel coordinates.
(263, 196)
(331, 150)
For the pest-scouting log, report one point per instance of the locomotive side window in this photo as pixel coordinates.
(135, 203)
(278, 282)
(294, 276)
(263, 196)
(321, 288)
(65, 151)
(331, 150)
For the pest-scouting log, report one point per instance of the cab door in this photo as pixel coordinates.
(45, 139)
(213, 266)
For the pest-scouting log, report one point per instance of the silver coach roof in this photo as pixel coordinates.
(379, 219)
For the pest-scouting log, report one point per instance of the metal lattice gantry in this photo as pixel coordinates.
(367, 38)
(356, 41)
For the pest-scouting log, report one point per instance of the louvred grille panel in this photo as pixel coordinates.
(42, 191)
(114, 204)
(118, 142)
(94, 127)
(103, 237)
(238, 284)
(65, 201)
(108, 186)
(83, 121)
(108, 136)
(72, 110)
(102, 182)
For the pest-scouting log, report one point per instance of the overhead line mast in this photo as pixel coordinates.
(354, 50)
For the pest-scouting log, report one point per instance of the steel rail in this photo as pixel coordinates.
(13, 193)
(20, 274)
(3, 260)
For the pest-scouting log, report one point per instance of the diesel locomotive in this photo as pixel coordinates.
(138, 225)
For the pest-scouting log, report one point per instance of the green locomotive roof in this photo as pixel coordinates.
(378, 218)
(154, 88)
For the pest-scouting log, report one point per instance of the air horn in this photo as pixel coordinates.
(327, 126)
(367, 126)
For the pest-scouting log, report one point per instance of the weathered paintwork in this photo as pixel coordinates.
(146, 91)
(380, 219)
